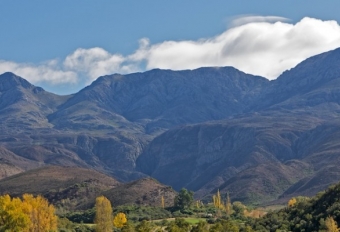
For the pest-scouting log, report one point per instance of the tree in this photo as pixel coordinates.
(184, 199)
(230, 226)
(331, 225)
(201, 226)
(12, 217)
(41, 213)
(239, 208)
(179, 225)
(228, 205)
(33, 214)
(144, 226)
(128, 228)
(119, 220)
(292, 202)
(103, 217)
(162, 201)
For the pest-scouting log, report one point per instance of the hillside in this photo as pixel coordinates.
(146, 191)
(69, 187)
(307, 214)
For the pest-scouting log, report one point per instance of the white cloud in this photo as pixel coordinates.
(48, 72)
(95, 62)
(264, 46)
(260, 48)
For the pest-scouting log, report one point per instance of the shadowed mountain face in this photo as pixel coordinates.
(289, 137)
(201, 129)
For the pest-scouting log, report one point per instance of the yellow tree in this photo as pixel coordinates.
(331, 225)
(119, 220)
(228, 205)
(292, 202)
(41, 213)
(163, 204)
(218, 203)
(103, 217)
(198, 204)
(214, 200)
(218, 199)
(12, 217)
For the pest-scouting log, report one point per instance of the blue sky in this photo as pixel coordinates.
(64, 45)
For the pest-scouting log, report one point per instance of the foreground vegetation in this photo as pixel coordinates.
(320, 214)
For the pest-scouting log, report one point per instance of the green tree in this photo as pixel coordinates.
(179, 225)
(103, 217)
(229, 226)
(201, 226)
(128, 228)
(184, 199)
(144, 226)
(239, 208)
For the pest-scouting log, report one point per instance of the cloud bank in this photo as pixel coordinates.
(264, 46)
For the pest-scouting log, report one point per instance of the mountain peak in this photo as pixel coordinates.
(315, 66)
(9, 80)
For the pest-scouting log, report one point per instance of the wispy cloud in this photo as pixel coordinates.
(245, 19)
(264, 46)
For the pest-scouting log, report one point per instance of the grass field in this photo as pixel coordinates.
(191, 220)
(194, 220)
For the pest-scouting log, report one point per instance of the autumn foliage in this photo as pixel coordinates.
(119, 220)
(103, 218)
(30, 214)
(292, 202)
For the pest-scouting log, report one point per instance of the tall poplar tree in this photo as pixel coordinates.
(228, 205)
(163, 204)
(103, 217)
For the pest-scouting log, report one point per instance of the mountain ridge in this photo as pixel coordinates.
(203, 129)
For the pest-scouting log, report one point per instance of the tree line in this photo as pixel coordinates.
(34, 214)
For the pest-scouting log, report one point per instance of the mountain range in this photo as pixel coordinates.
(204, 129)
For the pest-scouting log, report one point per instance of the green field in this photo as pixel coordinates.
(191, 220)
